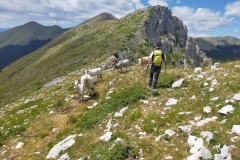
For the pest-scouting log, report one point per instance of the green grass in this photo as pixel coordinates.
(118, 100)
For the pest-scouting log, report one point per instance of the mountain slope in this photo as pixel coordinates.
(152, 126)
(80, 46)
(90, 44)
(40, 108)
(220, 48)
(24, 39)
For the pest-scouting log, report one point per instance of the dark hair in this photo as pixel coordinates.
(158, 44)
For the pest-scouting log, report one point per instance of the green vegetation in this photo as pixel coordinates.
(42, 117)
(118, 100)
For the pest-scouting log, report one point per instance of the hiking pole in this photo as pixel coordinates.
(165, 72)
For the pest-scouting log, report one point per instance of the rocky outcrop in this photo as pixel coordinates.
(170, 30)
(197, 57)
(161, 22)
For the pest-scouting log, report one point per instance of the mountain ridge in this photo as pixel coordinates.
(40, 111)
(220, 48)
(22, 40)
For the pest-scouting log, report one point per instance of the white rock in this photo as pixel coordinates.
(106, 137)
(193, 157)
(157, 139)
(195, 143)
(119, 140)
(182, 113)
(168, 157)
(224, 155)
(203, 122)
(198, 149)
(214, 82)
(19, 145)
(54, 129)
(211, 90)
(214, 99)
(142, 133)
(236, 129)
(120, 113)
(207, 109)
(227, 109)
(229, 101)
(144, 101)
(208, 135)
(186, 129)
(169, 132)
(236, 97)
(64, 157)
(61, 146)
(109, 124)
(177, 83)
(193, 97)
(205, 153)
(95, 104)
(197, 69)
(171, 101)
(90, 107)
(237, 66)
(86, 96)
(235, 139)
(137, 127)
(205, 84)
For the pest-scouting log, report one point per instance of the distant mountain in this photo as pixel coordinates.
(220, 48)
(22, 40)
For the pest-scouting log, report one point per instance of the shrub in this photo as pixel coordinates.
(122, 152)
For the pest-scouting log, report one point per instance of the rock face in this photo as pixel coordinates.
(170, 30)
(197, 57)
(161, 22)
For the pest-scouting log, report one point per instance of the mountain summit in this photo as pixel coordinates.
(22, 40)
(24, 34)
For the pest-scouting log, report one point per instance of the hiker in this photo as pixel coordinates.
(155, 60)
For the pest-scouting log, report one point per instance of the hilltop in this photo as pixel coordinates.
(41, 111)
(22, 40)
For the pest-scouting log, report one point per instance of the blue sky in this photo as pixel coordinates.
(202, 17)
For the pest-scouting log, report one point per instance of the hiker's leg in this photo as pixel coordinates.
(151, 76)
(155, 80)
(150, 80)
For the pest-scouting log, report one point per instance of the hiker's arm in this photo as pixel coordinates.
(150, 59)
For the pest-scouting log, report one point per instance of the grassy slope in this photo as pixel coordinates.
(30, 114)
(59, 107)
(81, 47)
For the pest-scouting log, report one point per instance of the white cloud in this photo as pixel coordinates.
(179, 1)
(232, 9)
(157, 2)
(63, 13)
(202, 19)
(236, 31)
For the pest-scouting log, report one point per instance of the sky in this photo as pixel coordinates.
(202, 17)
